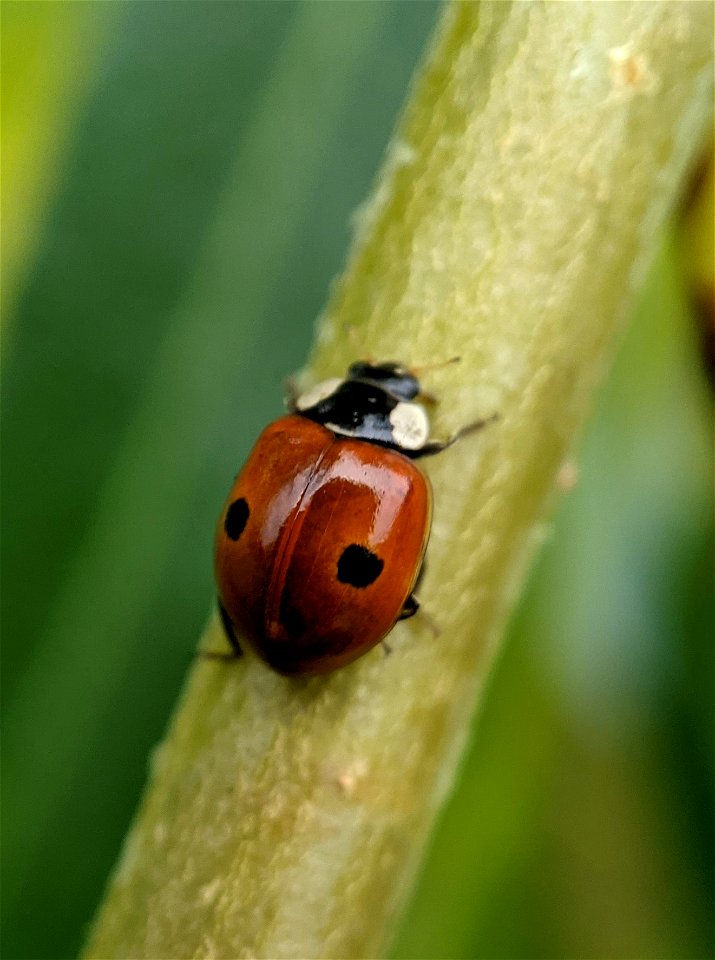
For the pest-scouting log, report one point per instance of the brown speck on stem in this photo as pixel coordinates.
(567, 476)
(631, 71)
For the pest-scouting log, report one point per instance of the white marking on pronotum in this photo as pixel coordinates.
(317, 393)
(344, 431)
(410, 426)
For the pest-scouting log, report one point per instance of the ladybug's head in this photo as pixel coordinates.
(374, 402)
(393, 377)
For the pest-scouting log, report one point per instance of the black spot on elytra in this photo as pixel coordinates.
(236, 519)
(359, 566)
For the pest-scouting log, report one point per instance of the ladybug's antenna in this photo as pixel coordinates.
(424, 395)
(429, 367)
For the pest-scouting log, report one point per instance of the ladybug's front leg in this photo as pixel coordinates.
(437, 446)
(291, 394)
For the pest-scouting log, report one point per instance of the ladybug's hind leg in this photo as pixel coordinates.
(412, 605)
(229, 631)
(235, 652)
(410, 608)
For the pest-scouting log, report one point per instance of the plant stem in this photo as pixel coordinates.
(513, 223)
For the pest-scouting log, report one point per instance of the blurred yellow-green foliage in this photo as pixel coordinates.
(178, 185)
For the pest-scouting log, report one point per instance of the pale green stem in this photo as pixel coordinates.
(518, 210)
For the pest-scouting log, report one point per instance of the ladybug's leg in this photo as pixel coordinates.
(235, 651)
(291, 394)
(229, 631)
(412, 605)
(437, 446)
(410, 608)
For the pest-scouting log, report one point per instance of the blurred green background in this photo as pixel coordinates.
(178, 186)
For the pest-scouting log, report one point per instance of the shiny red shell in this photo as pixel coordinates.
(304, 497)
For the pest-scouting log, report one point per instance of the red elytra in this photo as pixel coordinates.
(319, 545)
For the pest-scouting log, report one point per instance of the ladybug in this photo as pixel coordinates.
(323, 535)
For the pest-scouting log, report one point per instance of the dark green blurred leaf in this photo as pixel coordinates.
(191, 247)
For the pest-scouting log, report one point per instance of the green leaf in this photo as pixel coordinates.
(206, 198)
